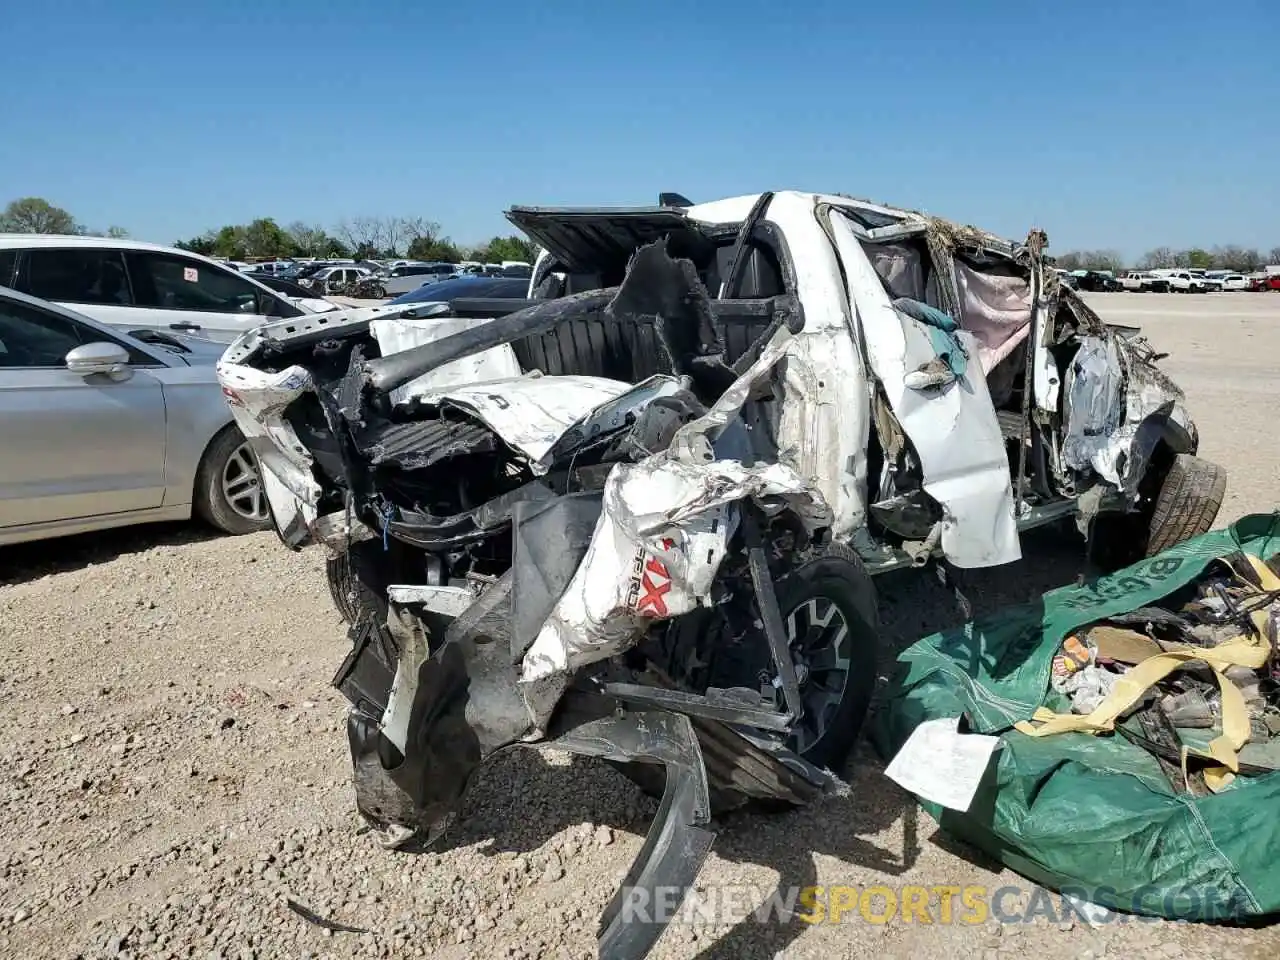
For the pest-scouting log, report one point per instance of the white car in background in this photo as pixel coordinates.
(334, 279)
(404, 279)
(1234, 281)
(272, 268)
(140, 286)
(1182, 281)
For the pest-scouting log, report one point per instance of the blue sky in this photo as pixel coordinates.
(1124, 125)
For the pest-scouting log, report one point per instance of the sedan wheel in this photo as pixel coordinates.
(229, 492)
(242, 485)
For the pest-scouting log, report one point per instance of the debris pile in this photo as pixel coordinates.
(1191, 679)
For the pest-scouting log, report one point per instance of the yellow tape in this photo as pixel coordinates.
(1133, 685)
(1243, 651)
(1266, 577)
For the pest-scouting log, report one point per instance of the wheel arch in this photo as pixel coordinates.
(1159, 438)
(214, 437)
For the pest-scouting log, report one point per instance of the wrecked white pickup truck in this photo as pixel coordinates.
(638, 514)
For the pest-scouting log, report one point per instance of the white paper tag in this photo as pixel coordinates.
(190, 274)
(1095, 915)
(942, 765)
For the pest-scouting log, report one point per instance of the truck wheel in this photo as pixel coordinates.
(358, 579)
(1173, 506)
(828, 607)
(228, 492)
(1189, 501)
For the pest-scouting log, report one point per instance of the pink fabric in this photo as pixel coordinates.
(996, 310)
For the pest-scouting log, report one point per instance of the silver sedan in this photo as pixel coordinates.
(100, 429)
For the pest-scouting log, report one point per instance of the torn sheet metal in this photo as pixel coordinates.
(662, 535)
(396, 334)
(339, 529)
(693, 442)
(952, 428)
(257, 399)
(414, 648)
(529, 413)
(1124, 397)
(655, 551)
(1095, 404)
(532, 414)
(612, 415)
(818, 419)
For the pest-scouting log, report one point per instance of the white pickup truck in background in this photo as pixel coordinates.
(1183, 281)
(1141, 281)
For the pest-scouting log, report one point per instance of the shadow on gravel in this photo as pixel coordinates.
(914, 604)
(30, 561)
(523, 800)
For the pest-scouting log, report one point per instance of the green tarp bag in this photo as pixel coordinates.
(1094, 816)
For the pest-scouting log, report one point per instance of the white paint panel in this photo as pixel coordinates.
(953, 428)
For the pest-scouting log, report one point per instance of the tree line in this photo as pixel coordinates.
(37, 215)
(1239, 259)
(360, 238)
(420, 239)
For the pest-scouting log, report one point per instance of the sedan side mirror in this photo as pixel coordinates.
(108, 358)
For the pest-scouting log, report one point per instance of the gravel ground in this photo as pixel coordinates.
(173, 765)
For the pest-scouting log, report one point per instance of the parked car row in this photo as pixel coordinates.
(1167, 281)
(377, 279)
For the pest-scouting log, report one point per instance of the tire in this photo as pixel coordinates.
(838, 577)
(359, 577)
(379, 292)
(355, 600)
(738, 772)
(835, 579)
(1189, 501)
(214, 498)
(1175, 504)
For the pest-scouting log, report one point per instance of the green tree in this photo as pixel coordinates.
(205, 244)
(264, 238)
(1069, 261)
(434, 248)
(499, 249)
(1199, 259)
(36, 215)
(333, 247)
(231, 242)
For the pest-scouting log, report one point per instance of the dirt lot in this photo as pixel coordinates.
(173, 761)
